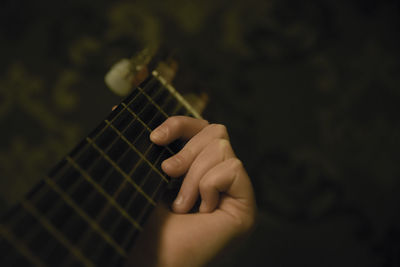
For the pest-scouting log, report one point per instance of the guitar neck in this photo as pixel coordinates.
(90, 208)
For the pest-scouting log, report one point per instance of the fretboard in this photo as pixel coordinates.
(94, 203)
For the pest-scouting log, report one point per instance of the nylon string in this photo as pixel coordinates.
(109, 125)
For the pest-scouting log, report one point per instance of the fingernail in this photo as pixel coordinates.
(158, 134)
(178, 201)
(173, 163)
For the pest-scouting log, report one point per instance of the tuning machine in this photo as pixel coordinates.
(126, 74)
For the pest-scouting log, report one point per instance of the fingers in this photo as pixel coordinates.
(177, 127)
(201, 134)
(208, 163)
(228, 188)
(228, 177)
(213, 154)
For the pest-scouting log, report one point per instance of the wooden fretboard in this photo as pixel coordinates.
(90, 208)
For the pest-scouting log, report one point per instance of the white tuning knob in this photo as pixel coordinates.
(120, 77)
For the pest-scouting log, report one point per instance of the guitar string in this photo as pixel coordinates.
(22, 248)
(132, 231)
(59, 235)
(110, 170)
(156, 114)
(130, 103)
(87, 145)
(135, 194)
(42, 224)
(137, 225)
(117, 222)
(129, 235)
(170, 153)
(123, 155)
(38, 225)
(155, 192)
(143, 181)
(65, 226)
(102, 213)
(139, 135)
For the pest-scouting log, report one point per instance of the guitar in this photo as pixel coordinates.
(90, 208)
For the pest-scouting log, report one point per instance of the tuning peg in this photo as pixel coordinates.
(128, 73)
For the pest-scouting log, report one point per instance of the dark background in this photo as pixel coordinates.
(309, 91)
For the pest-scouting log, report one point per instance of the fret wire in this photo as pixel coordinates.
(120, 188)
(41, 192)
(154, 194)
(152, 101)
(115, 117)
(124, 107)
(144, 180)
(66, 199)
(150, 171)
(105, 127)
(37, 196)
(146, 85)
(131, 172)
(145, 125)
(117, 192)
(16, 218)
(142, 122)
(105, 194)
(31, 235)
(148, 148)
(106, 150)
(118, 168)
(103, 130)
(56, 233)
(102, 213)
(112, 120)
(20, 246)
(138, 152)
(156, 191)
(107, 173)
(33, 231)
(94, 225)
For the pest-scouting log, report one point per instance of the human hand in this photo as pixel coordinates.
(212, 171)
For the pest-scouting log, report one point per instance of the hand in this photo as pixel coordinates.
(227, 210)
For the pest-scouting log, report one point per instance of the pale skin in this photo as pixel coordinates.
(174, 237)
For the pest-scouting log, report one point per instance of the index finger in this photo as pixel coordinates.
(175, 128)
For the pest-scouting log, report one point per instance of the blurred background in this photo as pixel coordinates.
(309, 91)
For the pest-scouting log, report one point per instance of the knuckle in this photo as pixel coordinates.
(221, 145)
(179, 160)
(186, 154)
(204, 184)
(224, 144)
(179, 157)
(236, 164)
(220, 130)
(173, 122)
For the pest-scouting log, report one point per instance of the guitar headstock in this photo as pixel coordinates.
(126, 74)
